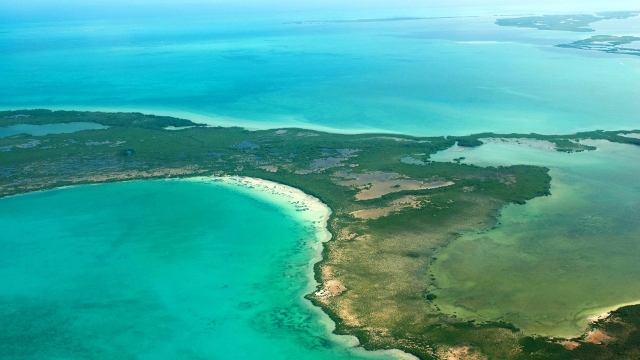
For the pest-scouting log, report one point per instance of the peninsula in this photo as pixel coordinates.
(392, 208)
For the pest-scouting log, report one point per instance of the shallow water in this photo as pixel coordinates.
(556, 260)
(158, 270)
(40, 130)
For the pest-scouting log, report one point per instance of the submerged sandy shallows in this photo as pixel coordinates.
(314, 211)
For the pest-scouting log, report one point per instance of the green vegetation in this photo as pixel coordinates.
(605, 43)
(375, 273)
(576, 23)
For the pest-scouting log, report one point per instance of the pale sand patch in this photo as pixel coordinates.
(535, 143)
(269, 168)
(406, 202)
(597, 337)
(459, 353)
(346, 314)
(377, 184)
(570, 345)
(331, 288)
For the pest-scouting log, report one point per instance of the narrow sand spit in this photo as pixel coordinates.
(317, 213)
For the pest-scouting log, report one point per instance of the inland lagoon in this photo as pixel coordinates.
(163, 269)
(40, 130)
(554, 262)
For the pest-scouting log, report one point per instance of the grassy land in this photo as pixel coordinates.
(374, 275)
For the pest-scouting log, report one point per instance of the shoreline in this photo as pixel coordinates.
(214, 120)
(312, 210)
(289, 121)
(606, 311)
(308, 209)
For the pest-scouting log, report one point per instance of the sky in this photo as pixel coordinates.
(61, 10)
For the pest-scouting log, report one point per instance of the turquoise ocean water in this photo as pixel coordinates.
(158, 270)
(433, 76)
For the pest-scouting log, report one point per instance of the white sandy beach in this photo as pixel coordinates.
(314, 211)
(604, 313)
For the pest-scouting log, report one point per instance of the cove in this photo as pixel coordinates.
(169, 269)
(557, 260)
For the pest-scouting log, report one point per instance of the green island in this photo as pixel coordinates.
(575, 23)
(392, 208)
(605, 43)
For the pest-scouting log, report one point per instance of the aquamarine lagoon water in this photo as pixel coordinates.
(558, 260)
(159, 270)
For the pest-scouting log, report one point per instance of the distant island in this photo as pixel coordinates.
(606, 43)
(581, 23)
(575, 23)
(392, 208)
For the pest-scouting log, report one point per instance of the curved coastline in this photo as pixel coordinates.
(319, 211)
(311, 210)
(318, 214)
(214, 120)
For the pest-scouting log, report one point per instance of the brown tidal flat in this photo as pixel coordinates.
(376, 184)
